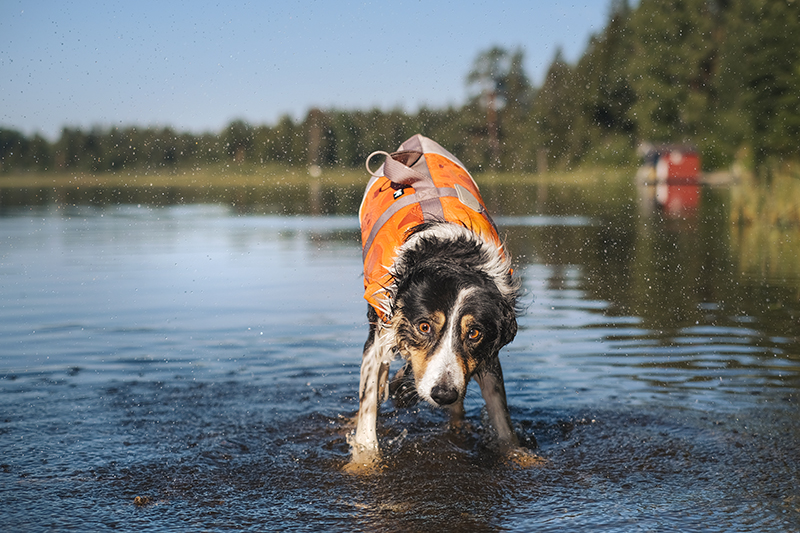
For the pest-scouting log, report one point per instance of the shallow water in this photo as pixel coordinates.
(205, 361)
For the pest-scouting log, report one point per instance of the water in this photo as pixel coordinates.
(195, 367)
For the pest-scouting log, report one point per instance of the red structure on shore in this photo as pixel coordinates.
(673, 172)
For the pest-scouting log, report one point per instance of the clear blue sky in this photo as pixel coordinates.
(198, 65)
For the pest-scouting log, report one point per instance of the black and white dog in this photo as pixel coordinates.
(441, 290)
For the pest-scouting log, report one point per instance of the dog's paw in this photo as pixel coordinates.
(361, 468)
(523, 458)
(364, 459)
(363, 463)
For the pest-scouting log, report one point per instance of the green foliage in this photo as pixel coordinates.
(671, 69)
(760, 76)
(721, 74)
(17, 152)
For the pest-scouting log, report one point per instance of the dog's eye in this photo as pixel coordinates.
(474, 334)
(424, 327)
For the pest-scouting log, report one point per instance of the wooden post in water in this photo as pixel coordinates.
(541, 161)
(314, 169)
(314, 192)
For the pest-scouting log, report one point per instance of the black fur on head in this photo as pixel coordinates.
(434, 285)
(454, 292)
(444, 247)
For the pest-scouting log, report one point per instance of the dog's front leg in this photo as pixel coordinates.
(490, 380)
(364, 443)
(493, 391)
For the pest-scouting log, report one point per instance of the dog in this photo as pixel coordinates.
(440, 290)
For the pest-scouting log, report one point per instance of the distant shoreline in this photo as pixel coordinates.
(259, 176)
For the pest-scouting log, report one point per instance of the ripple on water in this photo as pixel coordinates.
(212, 366)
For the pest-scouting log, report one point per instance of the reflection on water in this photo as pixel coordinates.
(272, 199)
(318, 198)
(766, 252)
(205, 359)
(670, 200)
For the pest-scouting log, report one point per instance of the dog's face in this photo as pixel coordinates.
(448, 322)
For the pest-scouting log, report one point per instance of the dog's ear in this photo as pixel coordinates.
(508, 325)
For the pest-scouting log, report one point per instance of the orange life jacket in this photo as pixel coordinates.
(421, 182)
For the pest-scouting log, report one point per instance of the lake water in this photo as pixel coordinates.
(194, 367)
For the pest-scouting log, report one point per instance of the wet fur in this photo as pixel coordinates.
(461, 287)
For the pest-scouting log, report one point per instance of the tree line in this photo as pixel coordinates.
(723, 75)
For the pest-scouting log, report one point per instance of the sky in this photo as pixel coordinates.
(197, 65)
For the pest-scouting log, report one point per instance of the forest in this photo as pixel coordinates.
(721, 75)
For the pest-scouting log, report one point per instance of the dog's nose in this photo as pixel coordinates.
(444, 395)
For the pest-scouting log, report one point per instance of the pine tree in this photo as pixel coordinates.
(554, 111)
